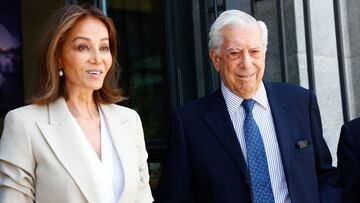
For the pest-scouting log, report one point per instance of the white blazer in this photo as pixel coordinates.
(41, 158)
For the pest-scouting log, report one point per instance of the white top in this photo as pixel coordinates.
(109, 169)
(110, 160)
(264, 120)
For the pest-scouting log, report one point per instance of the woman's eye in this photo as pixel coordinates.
(82, 47)
(104, 48)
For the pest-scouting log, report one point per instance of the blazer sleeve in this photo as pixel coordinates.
(327, 175)
(175, 185)
(349, 165)
(17, 163)
(144, 191)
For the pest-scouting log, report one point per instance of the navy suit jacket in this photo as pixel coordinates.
(205, 163)
(349, 161)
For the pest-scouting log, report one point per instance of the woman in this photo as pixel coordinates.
(73, 144)
(349, 161)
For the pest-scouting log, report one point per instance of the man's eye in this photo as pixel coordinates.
(255, 51)
(234, 54)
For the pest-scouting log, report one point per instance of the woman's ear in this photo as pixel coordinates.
(59, 63)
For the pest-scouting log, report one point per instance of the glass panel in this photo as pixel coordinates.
(87, 2)
(10, 58)
(142, 58)
(140, 26)
(80, 2)
(32, 26)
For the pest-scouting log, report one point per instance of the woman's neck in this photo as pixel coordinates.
(82, 105)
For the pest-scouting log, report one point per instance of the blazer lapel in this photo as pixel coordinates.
(63, 138)
(120, 128)
(280, 109)
(220, 122)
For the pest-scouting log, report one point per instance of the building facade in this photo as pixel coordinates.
(164, 56)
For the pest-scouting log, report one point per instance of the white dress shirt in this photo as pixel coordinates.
(109, 169)
(112, 168)
(264, 120)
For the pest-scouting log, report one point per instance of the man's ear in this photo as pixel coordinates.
(215, 59)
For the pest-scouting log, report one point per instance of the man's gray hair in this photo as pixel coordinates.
(234, 18)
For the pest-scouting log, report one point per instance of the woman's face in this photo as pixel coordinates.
(85, 56)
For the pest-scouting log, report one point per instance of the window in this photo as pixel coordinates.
(141, 36)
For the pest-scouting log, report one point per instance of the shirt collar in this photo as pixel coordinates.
(233, 101)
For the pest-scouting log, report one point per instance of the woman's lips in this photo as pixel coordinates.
(94, 73)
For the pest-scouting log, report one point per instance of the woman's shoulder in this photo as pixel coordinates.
(30, 112)
(121, 110)
(117, 107)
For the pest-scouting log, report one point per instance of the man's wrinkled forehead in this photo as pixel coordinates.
(234, 47)
(250, 35)
(243, 27)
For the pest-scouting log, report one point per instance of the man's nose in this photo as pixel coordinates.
(246, 60)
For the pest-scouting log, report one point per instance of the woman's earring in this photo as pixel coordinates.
(61, 72)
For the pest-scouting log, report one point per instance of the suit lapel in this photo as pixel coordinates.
(63, 138)
(219, 121)
(120, 128)
(281, 109)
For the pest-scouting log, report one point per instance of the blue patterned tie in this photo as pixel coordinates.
(256, 158)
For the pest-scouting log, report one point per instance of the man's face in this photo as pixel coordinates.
(241, 59)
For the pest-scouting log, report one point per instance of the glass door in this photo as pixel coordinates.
(144, 75)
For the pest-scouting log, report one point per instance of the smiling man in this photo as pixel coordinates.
(250, 141)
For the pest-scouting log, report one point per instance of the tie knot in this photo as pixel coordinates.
(248, 104)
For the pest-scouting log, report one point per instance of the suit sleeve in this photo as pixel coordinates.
(16, 161)
(327, 175)
(175, 185)
(144, 191)
(349, 165)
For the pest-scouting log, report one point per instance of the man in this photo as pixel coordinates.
(250, 141)
(349, 161)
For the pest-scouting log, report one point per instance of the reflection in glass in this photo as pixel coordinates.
(141, 56)
(140, 26)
